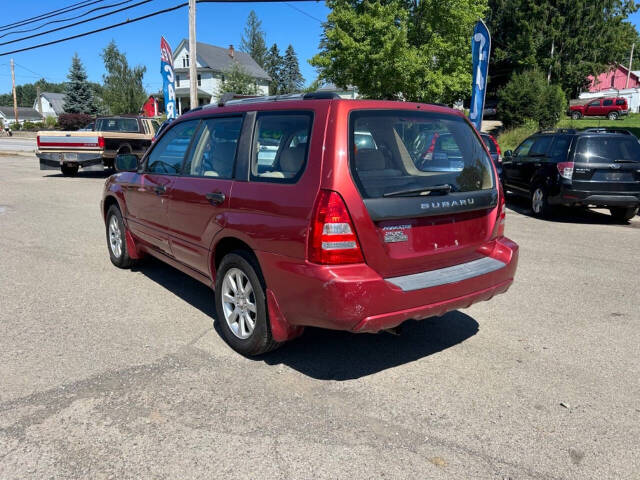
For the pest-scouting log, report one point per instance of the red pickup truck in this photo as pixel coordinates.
(612, 108)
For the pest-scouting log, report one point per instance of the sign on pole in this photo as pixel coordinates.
(480, 50)
(168, 78)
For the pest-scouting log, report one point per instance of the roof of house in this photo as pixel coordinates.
(24, 113)
(218, 59)
(56, 100)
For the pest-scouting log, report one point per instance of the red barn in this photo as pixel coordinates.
(614, 79)
(150, 107)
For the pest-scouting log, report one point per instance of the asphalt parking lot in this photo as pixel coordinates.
(106, 373)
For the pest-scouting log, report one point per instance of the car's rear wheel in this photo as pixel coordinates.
(623, 214)
(613, 115)
(69, 170)
(116, 241)
(576, 115)
(241, 305)
(540, 202)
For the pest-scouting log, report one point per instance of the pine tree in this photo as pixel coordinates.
(292, 79)
(273, 66)
(78, 92)
(253, 41)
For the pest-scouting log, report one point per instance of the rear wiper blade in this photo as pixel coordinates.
(445, 188)
(624, 160)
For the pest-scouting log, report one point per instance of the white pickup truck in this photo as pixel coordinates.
(95, 149)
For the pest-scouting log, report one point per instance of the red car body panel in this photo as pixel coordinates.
(169, 217)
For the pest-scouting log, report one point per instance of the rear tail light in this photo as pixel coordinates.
(332, 238)
(565, 169)
(498, 229)
(498, 151)
(38, 140)
(101, 142)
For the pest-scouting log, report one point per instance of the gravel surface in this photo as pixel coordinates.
(106, 373)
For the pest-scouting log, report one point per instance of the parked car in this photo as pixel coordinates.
(596, 167)
(612, 108)
(347, 228)
(494, 151)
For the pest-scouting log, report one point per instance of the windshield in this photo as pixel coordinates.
(607, 149)
(417, 153)
(129, 125)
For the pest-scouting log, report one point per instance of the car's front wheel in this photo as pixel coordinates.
(116, 241)
(576, 115)
(613, 116)
(540, 202)
(623, 214)
(241, 305)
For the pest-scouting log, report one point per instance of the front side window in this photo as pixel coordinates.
(168, 154)
(523, 149)
(416, 150)
(281, 146)
(595, 104)
(214, 152)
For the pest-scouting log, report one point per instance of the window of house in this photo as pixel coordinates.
(168, 154)
(177, 80)
(199, 80)
(185, 61)
(214, 151)
(281, 146)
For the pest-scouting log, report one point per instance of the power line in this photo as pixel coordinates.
(126, 22)
(52, 13)
(76, 23)
(301, 11)
(65, 19)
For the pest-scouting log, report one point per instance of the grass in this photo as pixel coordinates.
(510, 139)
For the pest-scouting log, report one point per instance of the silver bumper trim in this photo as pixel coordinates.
(443, 276)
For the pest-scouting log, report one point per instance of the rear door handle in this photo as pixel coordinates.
(215, 198)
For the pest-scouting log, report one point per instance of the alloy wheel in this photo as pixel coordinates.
(115, 237)
(239, 303)
(537, 200)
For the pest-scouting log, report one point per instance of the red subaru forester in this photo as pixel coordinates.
(312, 210)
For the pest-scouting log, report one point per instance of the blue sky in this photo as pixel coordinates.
(218, 24)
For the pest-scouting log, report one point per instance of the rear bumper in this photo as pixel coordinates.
(598, 199)
(356, 298)
(54, 160)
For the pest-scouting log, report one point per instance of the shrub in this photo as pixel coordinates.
(528, 97)
(15, 126)
(50, 122)
(74, 121)
(31, 127)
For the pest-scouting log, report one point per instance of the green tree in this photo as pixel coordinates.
(123, 91)
(586, 37)
(253, 41)
(418, 50)
(27, 92)
(78, 91)
(237, 80)
(290, 76)
(273, 66)
(528, 97)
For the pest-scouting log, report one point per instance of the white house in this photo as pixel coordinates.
(52, 104)
(212, 63)
(25, 114)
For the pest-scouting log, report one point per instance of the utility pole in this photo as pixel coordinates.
(15, 100)
(193, 56)
(630, 63)
(553, 44)
(39, 101)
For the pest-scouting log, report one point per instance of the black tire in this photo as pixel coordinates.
(69, 170)
(121, 260)
(613, 115)
(623, 214)
(540, 205)
(576, 115)
(260, 339)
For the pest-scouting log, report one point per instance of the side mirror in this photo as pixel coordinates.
(508, 153)
(126, 162)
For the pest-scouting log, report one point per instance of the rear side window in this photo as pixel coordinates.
(214, 151)
(281, 146)
(621, 102)
(607, 149)
(560, 148)
(540, 146)
(168, 154)
(607, 103)
(415, 150)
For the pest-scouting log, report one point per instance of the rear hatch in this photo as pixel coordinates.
(428, 186)
(607, 163)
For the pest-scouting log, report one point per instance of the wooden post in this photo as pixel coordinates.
(15, 99)
(39, 102)
(630, 64)
(193, 56)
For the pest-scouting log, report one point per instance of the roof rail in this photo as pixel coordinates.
(228, 98)
(558, 130)
(607, 130)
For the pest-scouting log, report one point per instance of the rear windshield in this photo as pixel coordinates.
(489, 143)
(394, 150)
(607, 149)
(129, 125)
